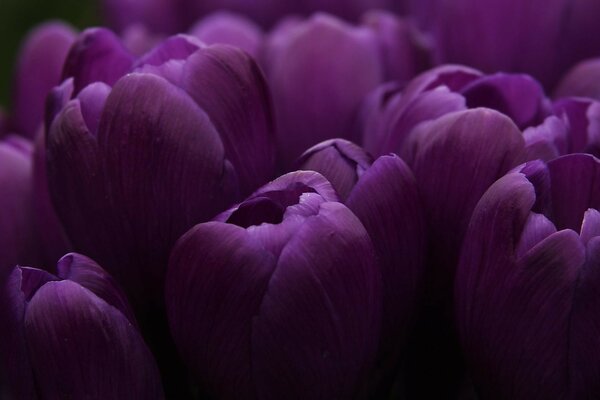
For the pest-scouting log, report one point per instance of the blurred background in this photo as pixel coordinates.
(18, 16)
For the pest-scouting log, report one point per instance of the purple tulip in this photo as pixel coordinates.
(39, 65)
(384, 196)
(319, 71)
(582, 80)
(133, 166)
(539, 37)
(231, 29)
(528, 283)
(72, 335)
(279, 297)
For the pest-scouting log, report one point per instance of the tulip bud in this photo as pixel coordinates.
(72, 336)
(526, 287)
(38, 69)
(279, 297)
(319, 71)
(168, 146)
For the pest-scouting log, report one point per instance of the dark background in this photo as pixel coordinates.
(17, 17)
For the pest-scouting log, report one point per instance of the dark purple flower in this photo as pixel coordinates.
(583, 80)
(133, 166)
(38, 69)
(72, 335)
(528, 282)
(319, 71)
(279, 297)
(384, 196)
(539, 37)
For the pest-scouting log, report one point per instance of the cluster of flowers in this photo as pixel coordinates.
(321, 209)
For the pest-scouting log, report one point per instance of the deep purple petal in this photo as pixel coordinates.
(387, 202)
(57, 98)
(230, 87)
(178, 47)
(569, 200)
(84, 271)
(232, 29)
(81, 347)
(98, 55)
(547, 140)
(340, 161)
(38, 69)
(583, 80)
(321, 309)
(92, 99)
(590, 227)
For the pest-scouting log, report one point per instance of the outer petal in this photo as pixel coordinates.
(456, 158)
(230, 87)
(387, 202)
(216, 280)
(84, 271)
(569, 202)
(316, 331)
(97, 55)
(581, 81)
(38, 70)
(105, 356)
(340, 161)
(319, 74)
(165, 171)
(232, 29)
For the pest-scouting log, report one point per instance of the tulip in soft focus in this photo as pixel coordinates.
(71, 336)
(38, 69)
(383, 195)
(528, 282)
(539, 37)
(136, 160)
(279, 297)
(583, 80)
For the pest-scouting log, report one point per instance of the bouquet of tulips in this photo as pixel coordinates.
(310, 199)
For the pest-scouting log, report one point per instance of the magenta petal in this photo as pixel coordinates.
(97, 56)
(81, 347)
(229, 86)
(317, 328)
(38, 70)
(215, 284)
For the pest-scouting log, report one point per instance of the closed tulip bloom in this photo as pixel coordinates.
(72, 335)
(383, 194)
(38, 69)
(499, 35)
(279, 297)
(452, 88)
(582, 81)
(169, 145)
(528, 281)
(319, 71)
(226, 28)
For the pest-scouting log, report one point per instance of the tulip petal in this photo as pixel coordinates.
(57, 98)
(217, 277)
(232, 29)
(569, 202)
(104, 357)
(340, 161)
(178, 47)
(230, 87)
(536, 229)
(590, 227)
(84, 271)
(92, 99)
(581, 81)
(97, 56)
(456, 158)
(548, 140)
(318, 325)
(163, 158)
(386, 200)
(38, 70)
